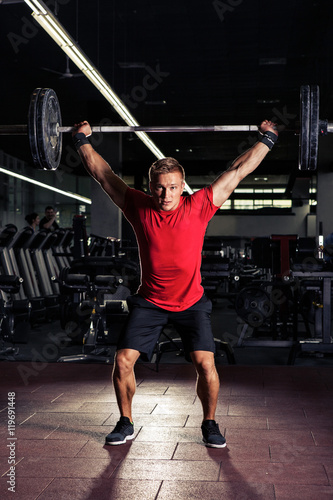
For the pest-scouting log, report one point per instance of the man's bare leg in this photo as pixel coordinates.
(124, 380)
(208, 383)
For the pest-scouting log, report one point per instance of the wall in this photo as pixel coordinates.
(250, 226)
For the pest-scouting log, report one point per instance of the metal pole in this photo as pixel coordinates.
(23, 129)
(13, 129)
(176, 128)
(56, 130)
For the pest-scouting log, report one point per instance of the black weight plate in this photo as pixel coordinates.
(304, 134)
(48, 118)
(32, 133)
(314, 127)
(254, 305)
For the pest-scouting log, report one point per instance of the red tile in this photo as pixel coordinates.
(197, 490)
(150, 389)
(105, 489)
(168, 470)
(169, 434)
(75, 432)
(141, 403)
(26, 489)
(152, 420)
(67, 418)
(319, 412)
(67, 467)
(288, 423)
(185, 409)
(323, 437)
(273, 473)
(45, 448)
(301, 454)
(292, 438)
(264, 411)
(231, 422)
(283, 401)
(182, 389)
(132, 449)
(105, 397)
(329, 470)
(246, 400)
(254, 390)
(322, 422)
(34, 431)
(41, 406)
(20, 418)
(309, 492)
(235, 452)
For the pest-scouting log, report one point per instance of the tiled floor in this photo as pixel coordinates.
(277, 421)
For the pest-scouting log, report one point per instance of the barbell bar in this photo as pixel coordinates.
(23, 129)
(45, 128)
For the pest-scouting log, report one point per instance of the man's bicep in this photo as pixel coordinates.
(223, 186)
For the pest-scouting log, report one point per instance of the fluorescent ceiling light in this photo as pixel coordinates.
(272, 61)
(85, 200)
(155, 103)
(131, 65)
(51, 25)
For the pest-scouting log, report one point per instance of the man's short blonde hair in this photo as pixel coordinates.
(165, 166)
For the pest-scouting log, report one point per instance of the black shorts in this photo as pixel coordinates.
(146, 322)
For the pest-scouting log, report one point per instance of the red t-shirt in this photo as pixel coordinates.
(170, 245)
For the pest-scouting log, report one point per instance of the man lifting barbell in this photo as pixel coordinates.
(170, 231)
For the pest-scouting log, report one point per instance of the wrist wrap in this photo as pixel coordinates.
(268, 138)
(79, 139)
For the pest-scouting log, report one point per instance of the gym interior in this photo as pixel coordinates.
(266, 258)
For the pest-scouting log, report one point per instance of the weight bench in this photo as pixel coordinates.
(175, 344)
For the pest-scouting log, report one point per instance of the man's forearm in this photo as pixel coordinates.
(244, 165)
(95, 165)
(247, 162)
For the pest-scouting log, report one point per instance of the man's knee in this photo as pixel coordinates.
(125, 360)
(203, 361)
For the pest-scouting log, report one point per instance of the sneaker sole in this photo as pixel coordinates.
(211, 445)
(115, 443)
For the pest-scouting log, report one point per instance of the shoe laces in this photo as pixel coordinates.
(213, 429)
(121, 425)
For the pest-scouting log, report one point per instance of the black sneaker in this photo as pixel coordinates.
(123, 431)
(211, 434)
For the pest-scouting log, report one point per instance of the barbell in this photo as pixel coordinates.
(45, 128)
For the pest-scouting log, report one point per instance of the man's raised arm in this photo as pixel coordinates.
(97, 167)
(246, 163)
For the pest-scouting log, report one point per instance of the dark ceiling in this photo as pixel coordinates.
(176, 63)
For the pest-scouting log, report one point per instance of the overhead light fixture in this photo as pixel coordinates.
(75, 196)
(155, 103)
(42, 14)
(268, 101)
(132, 65)
(271, 61)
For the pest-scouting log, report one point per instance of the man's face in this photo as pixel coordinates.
(49, 214)
(166, 190)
